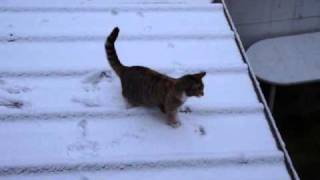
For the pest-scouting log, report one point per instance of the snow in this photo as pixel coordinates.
(86, 56)
(232, 172)
(136, 137)
(130, 20)
(77, 94)
(94, 3)
(60, 119)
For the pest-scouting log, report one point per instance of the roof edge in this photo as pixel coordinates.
(275, 132)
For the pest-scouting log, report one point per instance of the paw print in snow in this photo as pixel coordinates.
(185, 109)
(11, 103)
(8, 95)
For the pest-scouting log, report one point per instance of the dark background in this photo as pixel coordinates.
(297, 107)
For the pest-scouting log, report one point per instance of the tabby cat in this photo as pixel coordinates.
(142, 86)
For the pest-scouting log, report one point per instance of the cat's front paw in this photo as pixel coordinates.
(174, 124)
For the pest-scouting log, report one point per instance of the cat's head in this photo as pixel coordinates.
(192, 84)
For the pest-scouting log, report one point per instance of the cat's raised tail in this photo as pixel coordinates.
(111, 52)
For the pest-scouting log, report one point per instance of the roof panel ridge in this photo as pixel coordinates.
(150, 162)
(109, 7)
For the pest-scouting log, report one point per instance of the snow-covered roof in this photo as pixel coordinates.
(71, 128)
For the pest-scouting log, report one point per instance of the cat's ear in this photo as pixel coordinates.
(200, 75)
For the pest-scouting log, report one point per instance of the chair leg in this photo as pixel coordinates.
(272, 97)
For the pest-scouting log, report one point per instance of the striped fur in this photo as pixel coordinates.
(112, 53)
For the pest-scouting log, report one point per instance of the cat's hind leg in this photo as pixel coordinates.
(162, 109)
(129, 104)
(172, 120)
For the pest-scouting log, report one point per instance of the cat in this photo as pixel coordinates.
(142, 86)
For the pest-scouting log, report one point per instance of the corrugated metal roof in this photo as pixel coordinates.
(68, 128)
